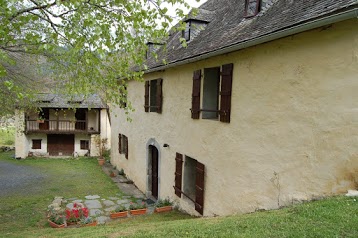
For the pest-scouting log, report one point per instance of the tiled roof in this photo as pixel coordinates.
(229, 27)
(49, 100)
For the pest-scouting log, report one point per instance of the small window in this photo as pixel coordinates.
(211, 93)
(186, 32)
(252, 7)
(36, 144)
(153, 96)
(84, 144)
(216, 91)
(193, 181)
(189, 177)
(123, 145)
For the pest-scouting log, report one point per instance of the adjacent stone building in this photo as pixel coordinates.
(61, 126)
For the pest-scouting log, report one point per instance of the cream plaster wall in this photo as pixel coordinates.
(21, 145)
(294, 124)
(37, 152)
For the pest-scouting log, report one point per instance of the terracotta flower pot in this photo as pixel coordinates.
(119, 214)
(139, 212)
(54, 225)
(163, 209)
(90, 224)
(101, 162)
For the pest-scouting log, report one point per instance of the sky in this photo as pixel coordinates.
(192, 3)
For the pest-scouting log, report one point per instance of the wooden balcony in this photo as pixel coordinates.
(59, 127)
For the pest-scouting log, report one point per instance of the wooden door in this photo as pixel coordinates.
(154, 171)
(44, 114)
(64, 144)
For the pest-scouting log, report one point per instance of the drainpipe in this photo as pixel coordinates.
(350, 14)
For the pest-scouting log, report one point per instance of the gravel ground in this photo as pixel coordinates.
(19, 179)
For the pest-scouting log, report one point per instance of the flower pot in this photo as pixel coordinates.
(119, 214)
(54, 225)
(101, 162)
(139, 212)
(90, 224)
(72, 223)
(163, 209)
(40, 121)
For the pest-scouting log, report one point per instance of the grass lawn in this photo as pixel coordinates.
(7, 136)
(22, 216)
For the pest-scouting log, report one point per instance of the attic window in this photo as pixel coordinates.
(186, 32)
(44, 101)
(252, 7)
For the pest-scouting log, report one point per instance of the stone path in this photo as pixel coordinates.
(101, 208)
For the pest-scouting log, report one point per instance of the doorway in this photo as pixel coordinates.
(58, 145)
(154, 170)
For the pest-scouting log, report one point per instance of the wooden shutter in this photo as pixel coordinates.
(195, 100)
(120, 143)
(178, 173)
(226, 88)
(146, 96)
(126, 146)
(199, 185)
(159, 95)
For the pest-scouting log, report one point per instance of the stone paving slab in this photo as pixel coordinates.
(93, 204)
(108, 203)
(92, 197)
(95, 212)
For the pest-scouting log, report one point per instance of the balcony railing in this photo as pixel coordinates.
(52, 126)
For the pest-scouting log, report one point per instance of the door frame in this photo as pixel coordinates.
(154, 143)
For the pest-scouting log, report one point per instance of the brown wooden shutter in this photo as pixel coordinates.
(120, 143)
(146, 96)
(226, 88)
(195, 100)
(159, 95)
(178, 173)
(126, 146)
(199, 185)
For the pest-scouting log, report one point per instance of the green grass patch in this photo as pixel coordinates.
(7, 136)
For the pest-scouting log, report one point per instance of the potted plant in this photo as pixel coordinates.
(88, 221)
(101, 144)
(164, 205)
(76, 214)
(138, 209)
(119, 212)
(56, 219)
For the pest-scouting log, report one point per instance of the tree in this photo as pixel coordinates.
(87, 46)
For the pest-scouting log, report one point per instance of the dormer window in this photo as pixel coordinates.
(252, 8)
(186, 32)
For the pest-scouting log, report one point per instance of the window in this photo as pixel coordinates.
(186, 32)
(192, 179)
(252, 7)
(123, 145)
(84, 144)
(217, 89)
(211, 93)
(36, 144)
(153, 96)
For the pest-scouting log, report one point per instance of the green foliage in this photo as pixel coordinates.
(7, 136)
(135, 206)
(89, 46)
(163, 202)
(120, 208)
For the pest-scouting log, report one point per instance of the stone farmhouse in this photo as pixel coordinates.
(258, 111)
(58, 126)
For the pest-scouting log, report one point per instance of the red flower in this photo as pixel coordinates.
(68, 214)
(75, 205)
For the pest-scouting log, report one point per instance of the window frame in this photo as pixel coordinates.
(36, 144)
(153, 86)
(257, 9)
(84, 145)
